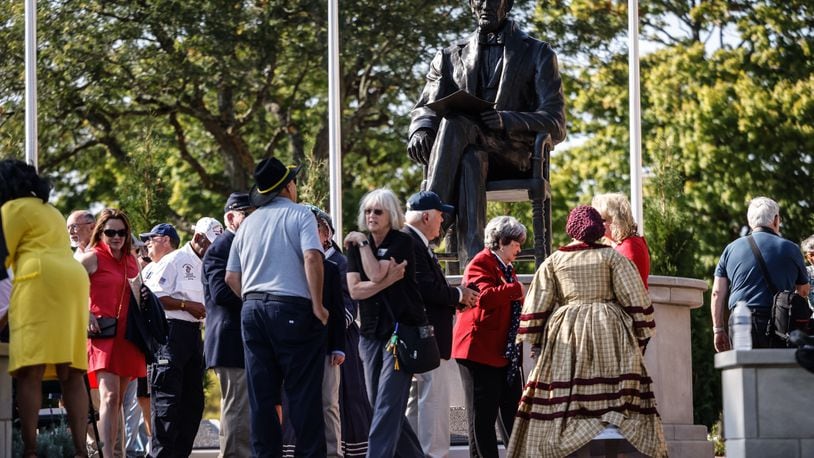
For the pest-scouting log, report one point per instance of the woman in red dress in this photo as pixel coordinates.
(113, 360)
(622, 231)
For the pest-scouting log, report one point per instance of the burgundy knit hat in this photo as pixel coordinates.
(585, 224)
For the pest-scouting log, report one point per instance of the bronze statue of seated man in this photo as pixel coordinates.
(463, 144)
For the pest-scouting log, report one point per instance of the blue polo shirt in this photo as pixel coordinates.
(738, 264)
(269, 249)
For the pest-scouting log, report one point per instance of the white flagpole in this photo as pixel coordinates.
(334, 120)
(31, 82)
(635, 115)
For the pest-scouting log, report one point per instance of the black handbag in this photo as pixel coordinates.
(414, 346)
(108, 324)
(107, 327)
(789, 311)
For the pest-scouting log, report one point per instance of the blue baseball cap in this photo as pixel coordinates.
(161, 229)
(237, 201)
(428, 200)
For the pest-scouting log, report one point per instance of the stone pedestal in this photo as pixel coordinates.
(669, 363)
(668, 360)
(5, 404)
(767, 404)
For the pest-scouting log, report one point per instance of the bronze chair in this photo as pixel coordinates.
(536, 189)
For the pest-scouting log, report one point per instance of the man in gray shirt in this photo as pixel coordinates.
(275, 264)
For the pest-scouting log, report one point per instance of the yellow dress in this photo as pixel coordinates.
(588, 309)
(48, 311)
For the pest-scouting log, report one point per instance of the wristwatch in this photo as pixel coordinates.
(364, 243)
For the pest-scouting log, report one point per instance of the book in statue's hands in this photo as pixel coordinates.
(460, 102)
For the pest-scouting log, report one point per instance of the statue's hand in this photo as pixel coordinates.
(420, 146)
(492, 119)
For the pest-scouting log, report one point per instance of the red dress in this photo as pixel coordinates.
(108, 289)
(635, 249)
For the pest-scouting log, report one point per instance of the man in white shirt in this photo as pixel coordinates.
(80, 227)
(177, 397)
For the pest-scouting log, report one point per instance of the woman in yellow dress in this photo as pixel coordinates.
(589, 318)
(48, 311)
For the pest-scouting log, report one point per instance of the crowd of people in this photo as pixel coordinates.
(297, 333)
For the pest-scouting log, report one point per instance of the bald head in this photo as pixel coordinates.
(80, 227)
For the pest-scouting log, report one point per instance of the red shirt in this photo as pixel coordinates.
(635, 249)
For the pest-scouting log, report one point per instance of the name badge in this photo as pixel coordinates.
(382, 252)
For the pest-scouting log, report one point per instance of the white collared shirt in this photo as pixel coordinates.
(177, 275)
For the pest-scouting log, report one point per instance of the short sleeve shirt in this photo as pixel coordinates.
(177, 275)
(402, 296)
(738, 264)
(269, 249)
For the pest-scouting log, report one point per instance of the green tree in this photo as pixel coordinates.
(216, 85)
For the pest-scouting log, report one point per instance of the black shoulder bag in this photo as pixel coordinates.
(789, 310)
(414, 347)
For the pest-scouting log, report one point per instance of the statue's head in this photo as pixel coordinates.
(490, 13)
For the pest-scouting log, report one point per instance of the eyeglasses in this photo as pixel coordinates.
(113, 233)
(75, 226)
(375, 211)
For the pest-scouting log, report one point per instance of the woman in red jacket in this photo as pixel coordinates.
(483, 341)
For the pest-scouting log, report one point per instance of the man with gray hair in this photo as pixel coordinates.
(80, 226)
(428, 405)
(739, 273)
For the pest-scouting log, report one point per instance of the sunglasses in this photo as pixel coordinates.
(375, 211)
(113, 232)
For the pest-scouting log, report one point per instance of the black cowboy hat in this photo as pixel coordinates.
(270, 177)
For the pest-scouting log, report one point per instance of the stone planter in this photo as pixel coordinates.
(767, 404)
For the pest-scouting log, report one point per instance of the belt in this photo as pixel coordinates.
(295, 300)
(177, 322)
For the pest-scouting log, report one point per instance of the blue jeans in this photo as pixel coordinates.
(284, 345)
(388, 391)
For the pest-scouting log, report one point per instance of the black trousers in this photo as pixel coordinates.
(487, 393)
(177, 397)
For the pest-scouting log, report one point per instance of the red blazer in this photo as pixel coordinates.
(481, 332)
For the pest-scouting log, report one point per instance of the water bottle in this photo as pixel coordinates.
(741, 327)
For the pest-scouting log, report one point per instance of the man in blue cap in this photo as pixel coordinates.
(223, 343)
(176, 377)
(428, 405)
(276, 264)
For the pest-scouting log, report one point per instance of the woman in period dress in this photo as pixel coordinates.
(114, 361)
(589, 318)
(622, 231)
(48, 314)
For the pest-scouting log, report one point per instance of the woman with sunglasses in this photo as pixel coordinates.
(48, 306)
(381, 276)
(112, 359)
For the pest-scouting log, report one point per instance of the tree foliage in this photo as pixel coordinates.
(726, 116)
(213, 86)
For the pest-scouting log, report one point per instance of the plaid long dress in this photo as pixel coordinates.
(588, 309)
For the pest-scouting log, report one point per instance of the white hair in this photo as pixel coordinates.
(503, 230)
(762, 212)
(389, 202)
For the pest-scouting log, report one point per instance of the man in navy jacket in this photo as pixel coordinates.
(223, 344)
(428, 406)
